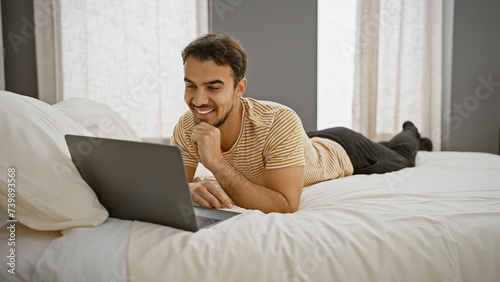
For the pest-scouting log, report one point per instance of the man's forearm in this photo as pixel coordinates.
(247, 194)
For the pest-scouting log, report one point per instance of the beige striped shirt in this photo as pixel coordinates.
(271, 137)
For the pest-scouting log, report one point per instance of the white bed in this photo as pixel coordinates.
(438, 221)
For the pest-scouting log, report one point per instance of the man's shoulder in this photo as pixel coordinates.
(267, 114)
(264, 106)
(265, 110)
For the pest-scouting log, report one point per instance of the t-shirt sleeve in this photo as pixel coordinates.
(181, 137)
(285, 144)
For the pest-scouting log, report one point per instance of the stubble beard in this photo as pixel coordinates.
(220, 121)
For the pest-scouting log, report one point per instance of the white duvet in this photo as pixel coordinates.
(439, 221)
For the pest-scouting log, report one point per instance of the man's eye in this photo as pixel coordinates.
(213, 88)
(190, 86)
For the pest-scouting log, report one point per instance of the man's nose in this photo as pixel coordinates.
(200, 98)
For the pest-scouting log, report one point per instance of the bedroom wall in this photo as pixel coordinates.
(471, 121)
(280, 38)
(471, 71)
(19, 47)
(2, 72)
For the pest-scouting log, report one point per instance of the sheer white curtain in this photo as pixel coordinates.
(398, 68)
(126, 54)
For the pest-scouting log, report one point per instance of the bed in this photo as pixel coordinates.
(438, 221)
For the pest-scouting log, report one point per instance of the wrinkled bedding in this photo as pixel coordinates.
(438, 221)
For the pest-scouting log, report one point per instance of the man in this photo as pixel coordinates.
(257, 150)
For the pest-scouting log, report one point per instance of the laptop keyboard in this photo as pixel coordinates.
(202, 221)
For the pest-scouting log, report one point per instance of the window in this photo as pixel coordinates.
(336, 53)
(127, 54)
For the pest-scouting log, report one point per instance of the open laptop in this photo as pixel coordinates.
(141, 181)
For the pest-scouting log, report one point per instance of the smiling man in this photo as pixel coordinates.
(257, 150)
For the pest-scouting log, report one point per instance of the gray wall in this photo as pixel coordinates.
(471, 105)
(2, 72)
(19, 47)
(280, 38)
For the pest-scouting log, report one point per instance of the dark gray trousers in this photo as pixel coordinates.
(371, 157)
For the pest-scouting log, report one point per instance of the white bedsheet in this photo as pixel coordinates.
(87, 254)
(439, 221)
(30, 245)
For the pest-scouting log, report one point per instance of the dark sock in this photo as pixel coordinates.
(425, 144)
(408, 123)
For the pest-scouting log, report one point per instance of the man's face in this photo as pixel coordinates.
(210, 93)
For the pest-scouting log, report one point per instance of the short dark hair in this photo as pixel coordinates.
(223, 49)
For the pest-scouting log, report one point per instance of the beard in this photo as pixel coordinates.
(220, 120)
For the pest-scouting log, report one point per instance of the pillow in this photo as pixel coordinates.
(98, 118)
(49, 192)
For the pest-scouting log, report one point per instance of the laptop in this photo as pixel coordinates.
(141, 181)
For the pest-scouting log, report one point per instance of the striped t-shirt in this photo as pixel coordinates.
(271, 137)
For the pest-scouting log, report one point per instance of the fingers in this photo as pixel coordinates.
(205, 126)
(206, 141)
(203, 132)
(205, 194)
(223, 199)
(203, 198)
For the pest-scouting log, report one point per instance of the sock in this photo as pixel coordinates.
(425, 144)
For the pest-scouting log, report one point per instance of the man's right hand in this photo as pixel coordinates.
(206, 194)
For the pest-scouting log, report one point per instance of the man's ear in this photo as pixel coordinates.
(241, 87)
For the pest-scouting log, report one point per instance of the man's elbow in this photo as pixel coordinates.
(291, 204)
(286, 208)
(291, 209)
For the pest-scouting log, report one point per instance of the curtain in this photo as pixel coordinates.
(48, 55)
(126, 54)
(398, 68)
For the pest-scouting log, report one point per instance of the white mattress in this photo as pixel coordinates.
(439, 221)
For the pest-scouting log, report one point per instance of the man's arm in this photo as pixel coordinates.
(280, 191)
(284, 196)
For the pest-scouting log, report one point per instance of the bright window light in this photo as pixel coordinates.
(336, 52)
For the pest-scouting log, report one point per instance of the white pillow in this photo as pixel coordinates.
(50, 193)
(98, 118)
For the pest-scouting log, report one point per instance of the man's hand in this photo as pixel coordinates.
(279, 192)
(207, 195)
(206, 141)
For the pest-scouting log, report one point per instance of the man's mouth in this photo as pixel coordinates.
(204, 112)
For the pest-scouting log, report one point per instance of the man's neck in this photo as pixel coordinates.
(231, 128)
